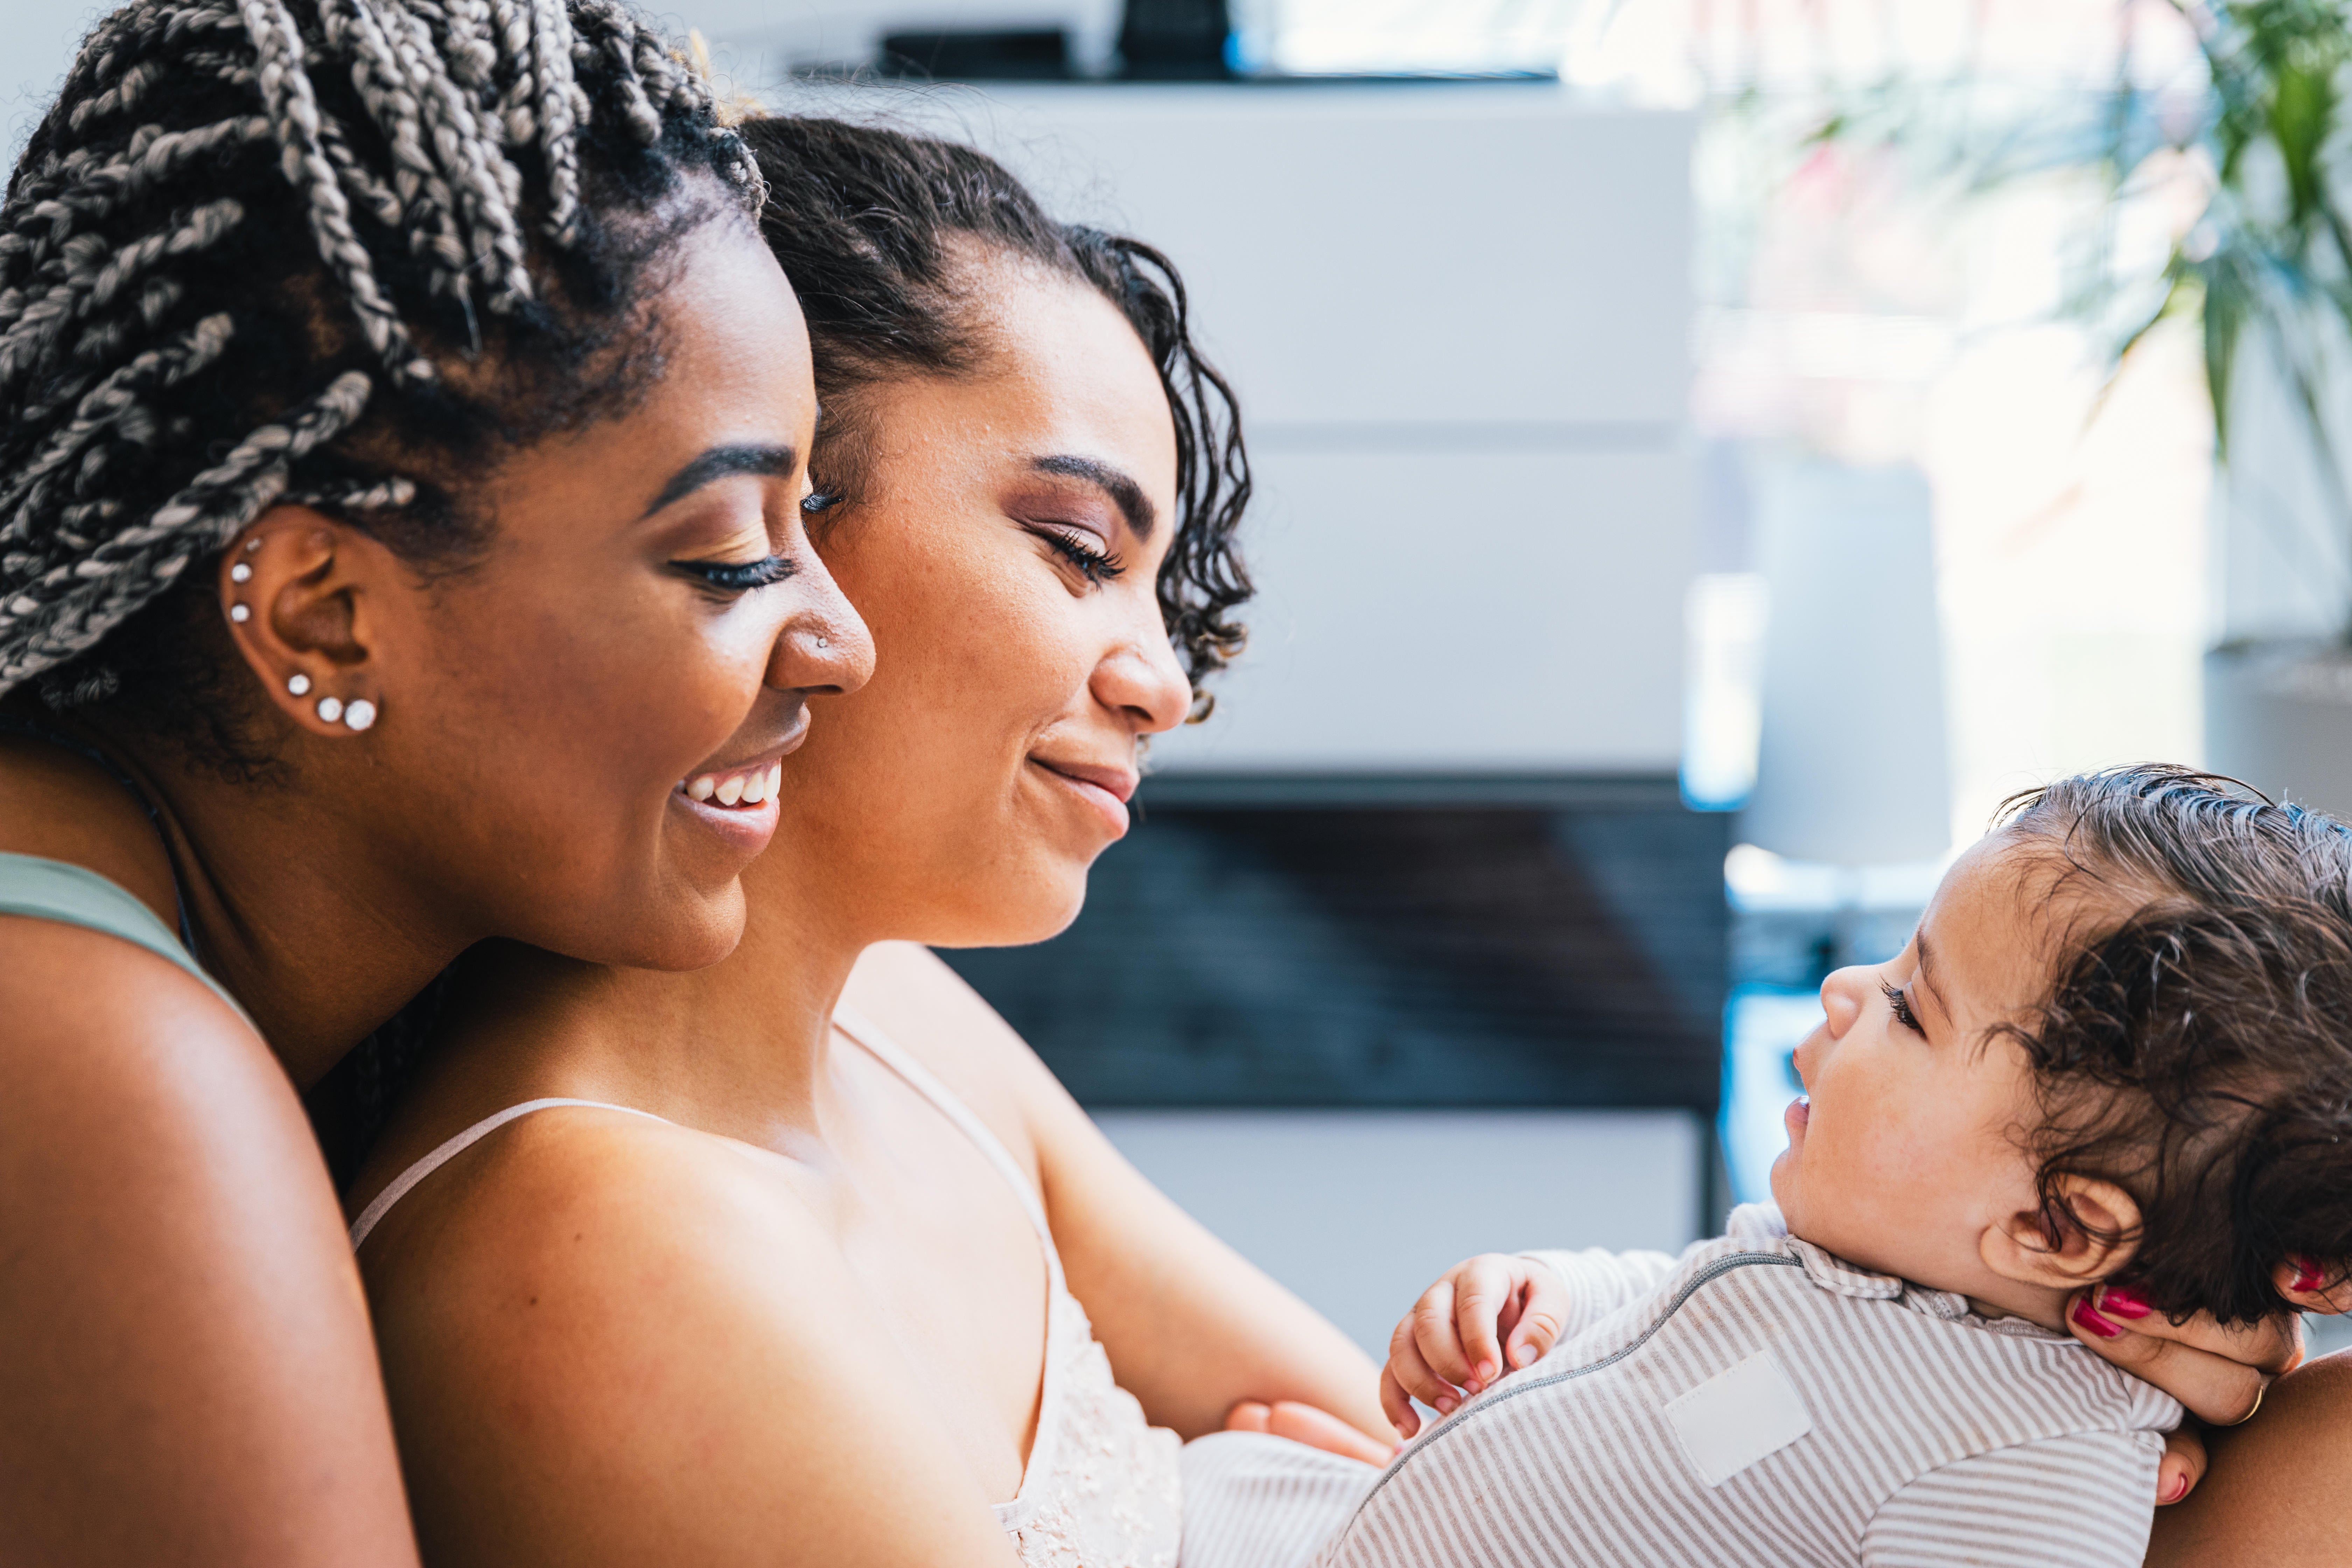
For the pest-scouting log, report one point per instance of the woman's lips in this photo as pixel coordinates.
(1106, 789)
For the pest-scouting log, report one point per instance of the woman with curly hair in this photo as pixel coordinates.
(401, 456)
(806, 1258)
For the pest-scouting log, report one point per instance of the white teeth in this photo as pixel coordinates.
(755, 789)
(702, 788)
(775, 779)
(730, 790)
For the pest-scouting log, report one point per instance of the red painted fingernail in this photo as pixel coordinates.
(2093, 1321)
(2306, 1273)
(2179, 1489)
(2124, 1303)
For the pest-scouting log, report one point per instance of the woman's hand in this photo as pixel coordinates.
(1306, 1423)
(2218, 1373)
(1493, 1312)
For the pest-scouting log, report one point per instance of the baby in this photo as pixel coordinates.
(2117, 1051)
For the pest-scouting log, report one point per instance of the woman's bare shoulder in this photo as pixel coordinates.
(604, 1295)
(61, 806)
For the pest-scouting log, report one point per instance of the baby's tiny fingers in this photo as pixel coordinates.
(1433, 1332)
(1397, 1405)
(1413, 1375)
(1543, 1317)
(1483, 1291)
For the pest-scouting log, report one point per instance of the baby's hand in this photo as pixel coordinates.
(1459, 1337)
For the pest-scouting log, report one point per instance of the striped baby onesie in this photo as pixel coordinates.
(1756, 1401)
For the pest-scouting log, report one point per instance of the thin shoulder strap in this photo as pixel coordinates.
(74, 895)
(405, 1183)
(1045, 1444)
(869, 1035)
(14, 725)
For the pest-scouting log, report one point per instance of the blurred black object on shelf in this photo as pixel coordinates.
(1035, 55)
(1176, 40)
(1395, 943)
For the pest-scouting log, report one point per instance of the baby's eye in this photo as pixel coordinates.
(1900, 1001)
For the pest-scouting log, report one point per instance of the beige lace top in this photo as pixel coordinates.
(1100, 1490)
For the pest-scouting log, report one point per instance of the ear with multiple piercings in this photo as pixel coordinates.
(358, 713)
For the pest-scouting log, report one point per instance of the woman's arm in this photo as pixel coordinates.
(1191, 1328)
(187, 1374)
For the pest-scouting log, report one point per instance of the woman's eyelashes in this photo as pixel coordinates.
(1090, 560)
(1899, 1000)
(729, 578)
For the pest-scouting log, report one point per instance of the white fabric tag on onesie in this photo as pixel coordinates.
(1737, 1417)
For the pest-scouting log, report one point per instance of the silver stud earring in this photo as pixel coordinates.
(251, 546)
(330, 710)
(360, 714)
(240, 573)
(240, 614)
(297, 684)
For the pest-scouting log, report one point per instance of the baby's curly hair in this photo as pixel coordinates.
(2198, 1052)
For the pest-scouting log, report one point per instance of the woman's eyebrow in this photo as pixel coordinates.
(720, 463)
(1123, 491)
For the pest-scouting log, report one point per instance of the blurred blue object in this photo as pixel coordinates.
(1761, 1026)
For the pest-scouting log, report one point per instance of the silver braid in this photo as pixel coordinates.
(416, 145)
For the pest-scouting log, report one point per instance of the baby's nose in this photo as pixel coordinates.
(1841, 996)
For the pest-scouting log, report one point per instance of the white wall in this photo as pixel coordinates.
(36, 45)
(1359, 1211)
(1456, 317)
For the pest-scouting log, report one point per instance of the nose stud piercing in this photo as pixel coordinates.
(297, 684)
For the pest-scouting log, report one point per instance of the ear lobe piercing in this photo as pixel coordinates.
(297, 684)
(357, 715)
(240, 573)
(240, 614)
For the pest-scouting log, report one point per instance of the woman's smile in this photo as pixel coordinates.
(1105, 788)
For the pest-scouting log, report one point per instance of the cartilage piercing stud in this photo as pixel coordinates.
(240, 573)
(330, 709)
(297, 684)
(240, 614)
(360, 714)
(251, 546)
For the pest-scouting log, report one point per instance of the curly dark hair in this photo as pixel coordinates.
(2198, 1051)
(867, 224)
(314, 250)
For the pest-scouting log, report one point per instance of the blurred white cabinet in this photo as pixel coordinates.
(1457, 318)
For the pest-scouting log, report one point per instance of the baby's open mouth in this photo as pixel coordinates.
(741, 787)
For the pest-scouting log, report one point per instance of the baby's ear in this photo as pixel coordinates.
(2098, 1231)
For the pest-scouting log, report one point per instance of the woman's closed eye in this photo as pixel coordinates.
(729, 578)
(1090, 561)
(1899, 1000)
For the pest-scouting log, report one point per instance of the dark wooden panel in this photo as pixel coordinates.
(1571, 952)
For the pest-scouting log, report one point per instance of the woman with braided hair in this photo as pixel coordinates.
(403, 437)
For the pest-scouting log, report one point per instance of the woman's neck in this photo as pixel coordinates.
(292, 907)
(737, 1049)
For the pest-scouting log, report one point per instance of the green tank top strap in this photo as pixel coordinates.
(77, 895)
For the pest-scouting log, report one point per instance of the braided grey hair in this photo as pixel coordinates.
(245, 244)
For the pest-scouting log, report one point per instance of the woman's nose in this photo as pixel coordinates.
(1144, 681)
(1842, 994)
(824, 645)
